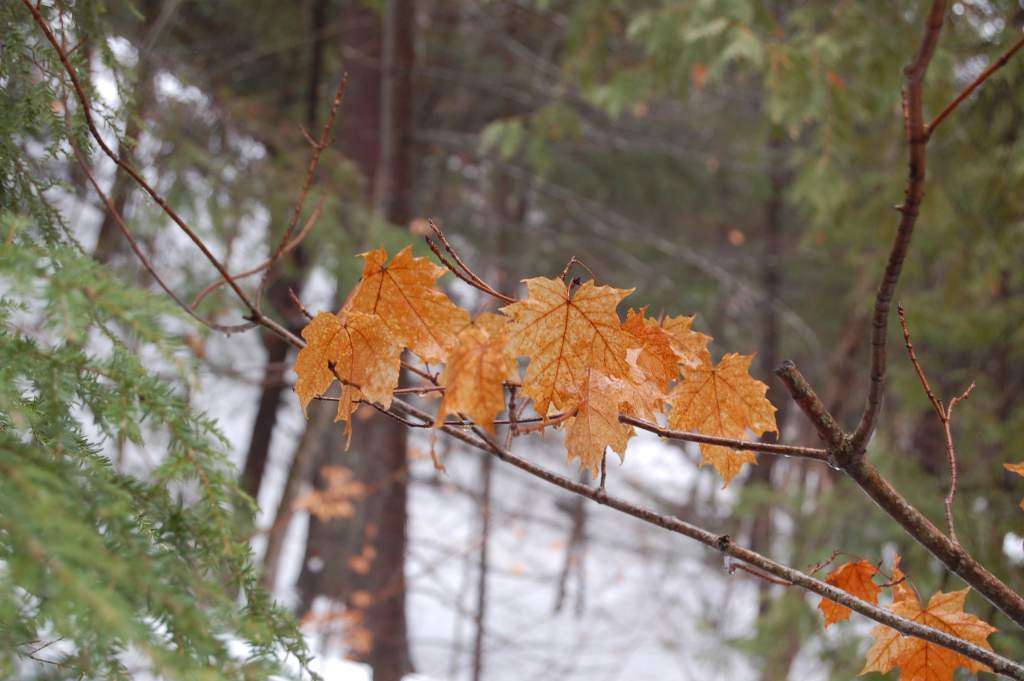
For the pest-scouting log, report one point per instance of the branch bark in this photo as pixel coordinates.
(917, 142)
(725, 545)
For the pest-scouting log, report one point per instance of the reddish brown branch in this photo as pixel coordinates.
(267, 264)
(917, 141)
(852, 462)
(461, 269)
(975, 84)
(945, 414)
(733, 567)
(254, 315)
(133, 244)
(743, 445)
(314, 160)
(725, 545)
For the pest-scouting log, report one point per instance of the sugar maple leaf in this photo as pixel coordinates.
(690, 345)
(596, 424)
(658, 357)
(855, 579)
(920, 660)
(724, 401)
(1017, 468)
(475, 374)
(404, 295)
(640, 395)
(360, 349)
(565, 334)
(901, 589)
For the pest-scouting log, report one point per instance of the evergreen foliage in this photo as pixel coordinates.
(106, 568)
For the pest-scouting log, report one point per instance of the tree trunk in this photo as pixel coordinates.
(360, 561)
(284, 276)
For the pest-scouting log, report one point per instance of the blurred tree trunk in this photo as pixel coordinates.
(284, 276)
(360, 561)
(110, 241)
(770, 355)
(780, 659)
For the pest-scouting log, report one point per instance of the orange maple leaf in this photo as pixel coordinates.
(901, 589)
(475, 373)
(404, 295)
(921, 660)
(658, 357)
(357, 348)
(690, 345)
(596, 424)
(855, 579)
(724, 401)
(565, 334)
(1017, 468)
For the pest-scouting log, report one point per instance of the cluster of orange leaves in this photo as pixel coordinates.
(917, 659)
(586, 365)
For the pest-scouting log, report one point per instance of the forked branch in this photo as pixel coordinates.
(945, 414)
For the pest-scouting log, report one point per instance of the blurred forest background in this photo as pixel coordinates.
(738, 160)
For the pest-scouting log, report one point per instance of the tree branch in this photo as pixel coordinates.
(853, 462)
(969, 90)
(318, 147)
(254, 315)
(917, 141)
(743, 445)
(724, 544)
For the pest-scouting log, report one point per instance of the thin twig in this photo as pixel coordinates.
(744, 445)
(318, 148)
(733, 567)
(576, 261)
(139, 253)
(936, 404)
(292, 245)
(298, 303)
(467, 274)
(982, 77)
(825, 563)
(254, 315)
(945, 414)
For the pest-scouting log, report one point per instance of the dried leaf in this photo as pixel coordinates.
(474, 377)
(921, 660)
(640, 395)
(657, 357)
(901, 589)
(855, 579)
(596, 424)
(724, 401)
(359, 349)
(563, 335)
(1017, 468)
(404, 295)
(336, 499)
(690, 345)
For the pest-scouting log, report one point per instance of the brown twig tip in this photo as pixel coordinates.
(460, 269)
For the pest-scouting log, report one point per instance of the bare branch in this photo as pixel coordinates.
(945, 414)
(725, 545)
(917, 141)
(254, 315)
(743, 445)
(463, 271)
(853, 462)
(292, 245)
(982, 77)
(318, 148)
